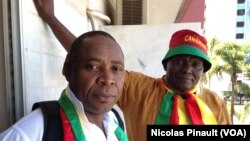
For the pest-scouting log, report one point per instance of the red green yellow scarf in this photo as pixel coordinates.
(72, 129)
(183, 107)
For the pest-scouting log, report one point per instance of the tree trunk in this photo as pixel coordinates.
(232, 105)
(233, 79)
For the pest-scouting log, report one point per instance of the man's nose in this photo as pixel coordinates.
(186, 67)
(106, 78)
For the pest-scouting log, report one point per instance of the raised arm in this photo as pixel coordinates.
(45, 9)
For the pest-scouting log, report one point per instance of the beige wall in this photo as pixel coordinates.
(144, 46)
(162, 11)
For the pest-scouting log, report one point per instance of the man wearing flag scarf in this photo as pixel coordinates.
(95, 84)
(175, 98)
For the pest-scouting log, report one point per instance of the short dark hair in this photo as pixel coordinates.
(78, 44)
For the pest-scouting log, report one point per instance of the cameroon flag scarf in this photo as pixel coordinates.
(72, 129)
(183, 107)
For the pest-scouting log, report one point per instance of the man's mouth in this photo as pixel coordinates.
(105, 98)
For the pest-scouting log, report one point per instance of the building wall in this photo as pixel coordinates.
(144, 46)
(153, 11)
(243, 21)
(162, 12)
(195, 12)
(3, 100)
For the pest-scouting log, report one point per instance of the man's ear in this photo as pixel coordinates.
(67, 68)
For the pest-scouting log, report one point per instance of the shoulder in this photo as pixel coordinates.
(30, 127)
(216, 104)
(206, 91)
(210, 96)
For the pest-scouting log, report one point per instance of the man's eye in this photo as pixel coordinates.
(92, 67)
(178, 62)
(117, 69)
(197, 65)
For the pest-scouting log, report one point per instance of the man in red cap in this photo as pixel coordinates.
(176, 98)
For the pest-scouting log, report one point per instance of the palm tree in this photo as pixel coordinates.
(232, 57)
